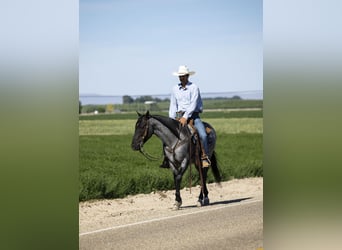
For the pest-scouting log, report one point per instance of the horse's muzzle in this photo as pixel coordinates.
(136, 146)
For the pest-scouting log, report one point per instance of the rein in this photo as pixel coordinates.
(148, 156)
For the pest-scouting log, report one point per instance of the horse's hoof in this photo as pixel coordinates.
(177, 205)
(204, 202)
(199, 203)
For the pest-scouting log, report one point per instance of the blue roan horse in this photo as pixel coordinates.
(179, 148)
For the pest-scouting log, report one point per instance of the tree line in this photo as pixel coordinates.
(126, 99)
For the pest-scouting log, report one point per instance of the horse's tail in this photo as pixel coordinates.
(214, 167)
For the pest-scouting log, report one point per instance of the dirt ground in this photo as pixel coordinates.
(100, 214)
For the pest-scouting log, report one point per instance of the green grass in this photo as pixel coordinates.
(109, 168)
(240, 155)
(121, 127)
(207, 114)
(106, 127)
(231, 104)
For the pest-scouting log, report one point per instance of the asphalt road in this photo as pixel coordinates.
(237, 225)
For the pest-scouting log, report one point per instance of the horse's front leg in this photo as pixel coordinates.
(178, 175)
(178, 201)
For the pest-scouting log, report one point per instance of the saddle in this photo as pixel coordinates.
(191, 126)
(195, 139)
(198, 144)
(193, 130)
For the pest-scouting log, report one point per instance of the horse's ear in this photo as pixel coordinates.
(147, 113)
(139, 114)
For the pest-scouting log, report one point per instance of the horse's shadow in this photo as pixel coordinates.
(221, 202)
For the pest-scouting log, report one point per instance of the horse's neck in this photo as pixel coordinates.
(163, 133)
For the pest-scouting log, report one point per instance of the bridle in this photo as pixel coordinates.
(141, 148)
(154, 158)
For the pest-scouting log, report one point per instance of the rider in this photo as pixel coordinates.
(186, 103)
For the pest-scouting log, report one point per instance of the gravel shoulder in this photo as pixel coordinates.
(99, 214)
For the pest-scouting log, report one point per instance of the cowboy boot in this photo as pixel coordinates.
(205, 161)
(165, 163)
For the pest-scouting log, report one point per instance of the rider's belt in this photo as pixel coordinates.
(179, 114)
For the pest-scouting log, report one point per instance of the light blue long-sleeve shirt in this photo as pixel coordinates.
(186, 99)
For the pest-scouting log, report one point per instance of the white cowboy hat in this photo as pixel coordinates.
(182, 71)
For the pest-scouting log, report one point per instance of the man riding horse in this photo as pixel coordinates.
(185, 105)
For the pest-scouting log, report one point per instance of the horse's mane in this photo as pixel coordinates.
(171, 124)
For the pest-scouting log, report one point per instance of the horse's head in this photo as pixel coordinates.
(143, 131)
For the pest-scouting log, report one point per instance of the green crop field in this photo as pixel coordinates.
(109, 168)
(163, 106)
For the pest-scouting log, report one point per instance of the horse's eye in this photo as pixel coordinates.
(138, 123)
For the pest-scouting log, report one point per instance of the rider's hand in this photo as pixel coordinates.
(183, 121)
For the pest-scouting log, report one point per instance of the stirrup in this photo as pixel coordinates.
(205, 162)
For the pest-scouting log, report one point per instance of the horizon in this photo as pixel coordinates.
(164, 94)
(94, 99)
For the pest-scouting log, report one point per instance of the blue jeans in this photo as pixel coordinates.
(201, 132)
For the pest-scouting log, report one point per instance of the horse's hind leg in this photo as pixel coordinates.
(203, 199)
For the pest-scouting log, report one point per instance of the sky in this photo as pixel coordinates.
(132, 47)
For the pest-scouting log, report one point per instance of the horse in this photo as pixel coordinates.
(179, 148)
